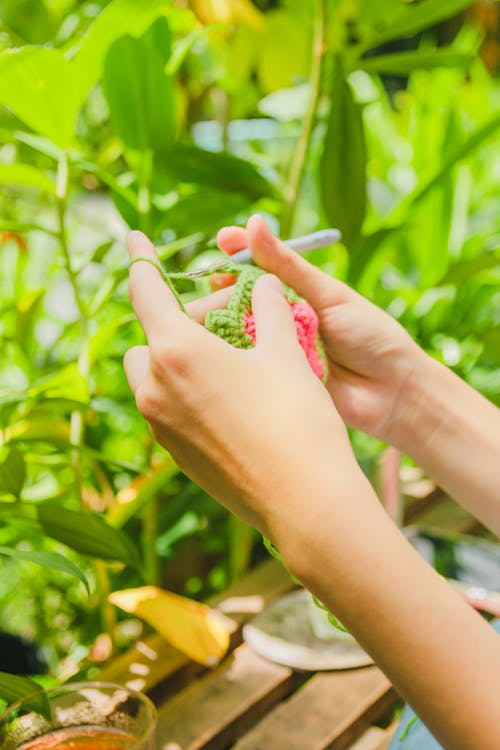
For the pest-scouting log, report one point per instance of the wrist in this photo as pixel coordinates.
(328, 524)
(420, 408)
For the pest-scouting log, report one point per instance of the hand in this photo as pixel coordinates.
(372, 360)
(255, 428)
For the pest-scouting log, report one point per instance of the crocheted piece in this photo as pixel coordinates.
(236, 323)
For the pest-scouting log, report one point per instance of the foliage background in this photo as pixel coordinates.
(175, 117)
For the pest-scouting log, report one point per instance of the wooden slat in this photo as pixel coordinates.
(389, 735)
(328, 713)
(220, 706)
(447, 516)
(154, 660)
(370, 740)
(376, 738)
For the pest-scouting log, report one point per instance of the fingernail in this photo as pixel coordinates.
(273, 282)
(265, 236)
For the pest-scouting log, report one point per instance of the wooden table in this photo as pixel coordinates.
(248, 703)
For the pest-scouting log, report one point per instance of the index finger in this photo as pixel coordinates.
(153, 302)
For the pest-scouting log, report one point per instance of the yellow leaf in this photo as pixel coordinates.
(193, 628)
(227, 11)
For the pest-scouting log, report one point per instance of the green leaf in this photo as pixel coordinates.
(467, 269)
(120, 513)
(206, 210)
(118, 19)
(343, 164)
(159, 37)
(14, 688)
(367, 246)
(13, 472)
(48, 560)
(183, 46)
(25, 174)
(186, 163)
(404, 63)
(86, 533)
(39, 143)
(23, 228)
(27, 306)
(477, 138)
(67, 383)
(139, 95)
(31, 82)
(283, 51)
(28, 19)
(414, 18)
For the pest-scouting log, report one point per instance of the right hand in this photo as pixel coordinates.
(372, 360)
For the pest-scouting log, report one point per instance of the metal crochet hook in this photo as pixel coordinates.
(323, 238)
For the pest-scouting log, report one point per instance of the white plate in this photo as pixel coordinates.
(283, 633)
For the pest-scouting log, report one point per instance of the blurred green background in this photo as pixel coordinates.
(381, 118)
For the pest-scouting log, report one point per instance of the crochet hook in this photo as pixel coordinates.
(323, 238)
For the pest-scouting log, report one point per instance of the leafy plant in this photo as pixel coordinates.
(176, 120)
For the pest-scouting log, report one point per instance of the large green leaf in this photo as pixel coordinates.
(139, 94)
(118, 19)
(187, 163)
(14, 688)
(32, 80)
(205, 210)
(47, 560)
(159, 37)
(86, 533)
(343, 164)
(28, 19)
(404, 63)
(13, 472)
(414, 18)
(25, 174)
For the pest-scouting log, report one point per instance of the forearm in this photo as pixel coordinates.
(452, 432)
(441, 656)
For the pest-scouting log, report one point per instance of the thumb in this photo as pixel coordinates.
(274, 323)
(274, 256)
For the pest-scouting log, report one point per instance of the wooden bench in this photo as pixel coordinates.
(248, 703)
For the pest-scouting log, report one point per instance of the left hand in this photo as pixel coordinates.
(255, 428)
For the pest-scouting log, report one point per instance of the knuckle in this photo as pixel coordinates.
(172, 357)
(147, 403)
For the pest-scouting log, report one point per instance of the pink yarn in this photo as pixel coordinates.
(307, 324)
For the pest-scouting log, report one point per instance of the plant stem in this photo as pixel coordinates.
(144, 194)
(77, 420)
(108, 612)
(299, 155)
(77, 423)
(149, 533)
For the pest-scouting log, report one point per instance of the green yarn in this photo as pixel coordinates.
(165, 276)
(229, 323)
(331, 617)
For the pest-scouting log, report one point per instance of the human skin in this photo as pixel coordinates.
(383, 384)
(233, 421)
